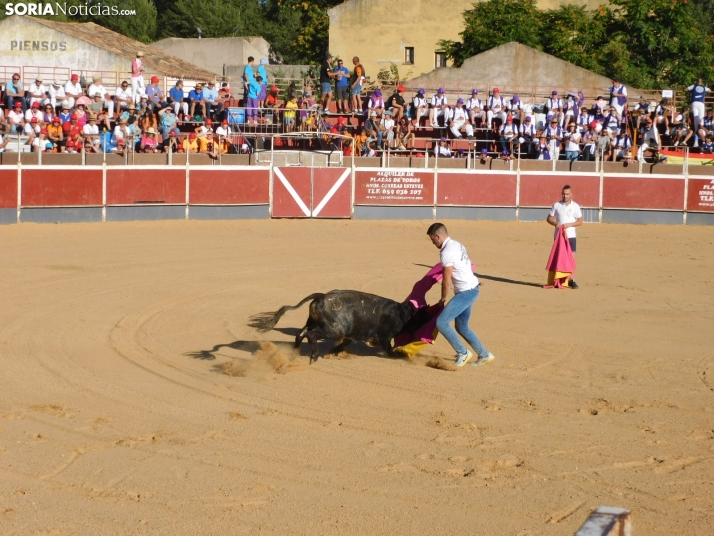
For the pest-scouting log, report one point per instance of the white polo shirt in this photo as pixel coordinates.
(454, 254)
(566, 214)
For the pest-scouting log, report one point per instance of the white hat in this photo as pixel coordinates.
(150, 130)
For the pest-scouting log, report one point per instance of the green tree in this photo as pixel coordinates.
(141, 26)
(215, 18)
(494, 23)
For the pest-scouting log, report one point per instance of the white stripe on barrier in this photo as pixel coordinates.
(332, 192)
(292, 192)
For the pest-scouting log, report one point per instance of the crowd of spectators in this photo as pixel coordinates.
(74, 116)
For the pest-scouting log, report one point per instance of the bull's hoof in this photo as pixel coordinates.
(313, 359)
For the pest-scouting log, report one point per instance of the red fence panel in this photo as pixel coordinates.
(8, 188)
(331, 193)
(61, 187)
(644, 193)
(701, 195)
(394, 187)
(292, 192)
(151, 186)
(229, 187)
(544, 190)
(476, 189)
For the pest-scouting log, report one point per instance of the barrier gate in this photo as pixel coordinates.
(300, 192)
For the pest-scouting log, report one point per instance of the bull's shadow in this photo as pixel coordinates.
(497, 279)
(355, 348)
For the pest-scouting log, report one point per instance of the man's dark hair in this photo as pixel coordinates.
(435, 228)
(250, 58)
(567, 187)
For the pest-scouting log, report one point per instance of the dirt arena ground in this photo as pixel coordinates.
(135, 400)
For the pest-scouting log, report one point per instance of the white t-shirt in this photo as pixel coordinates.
(75, 89)
(123, 94)
(223, 131)
(566, 214)
(454, 254)
(96, 88)
(90, 130)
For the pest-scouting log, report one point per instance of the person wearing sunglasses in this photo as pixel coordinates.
(14, 92)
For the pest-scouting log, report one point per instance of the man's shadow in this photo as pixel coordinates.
(497, 279)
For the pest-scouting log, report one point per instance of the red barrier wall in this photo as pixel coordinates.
(339, 205)
(544, 190)
(394, 187)
(701, 195)
(647, 193)
(225, 187)
(61, 187)
(285, 204)
(479, 189)
(8, 188)
(136, 186)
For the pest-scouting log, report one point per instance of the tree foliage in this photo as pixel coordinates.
(646, 43)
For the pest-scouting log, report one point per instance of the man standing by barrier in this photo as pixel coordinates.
(566, 214)
(698, 93)
(457, 271)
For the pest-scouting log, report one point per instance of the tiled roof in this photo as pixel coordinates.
(154, 59)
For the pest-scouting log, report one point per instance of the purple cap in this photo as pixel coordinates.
(474, 91)
(441, 90)
(554, 92)
(421, 91)
(516, 98)
(460, 101)
(444, 139)
(378, 92)
(484, 151)
(505, 153)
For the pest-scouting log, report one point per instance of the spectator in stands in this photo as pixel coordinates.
(618, 96)
(202, 130)
(171, 143)
(224, 95)
(707, 147)
(214, 107)
(263, 73)
(603, 143)
(508, 133)
(584, 119)
(176, 97)
(4, 140)
(437, 107)
(73, 90)
(31, 130)
(90, 131)
(442, 149)
(252, 100)
(474, 107)
(589, 140)
(148, 142)
(356, 81)
(681, 131)
(697, 92)
(123, 96)
(107, 100)
(528, 139)
(155, 96)
(37, 91)
(55, 134)
(48, 114)
(543, 148)
(706, 125)
(290, 111)
(505, 155)
(622, 147)
(571, 107)
(34, 111)
(396, 103)
(81, 114)
(514, 109)
(89, 147)
(16, 118)
(14, 92)
(554, 134)
(224, 130)
(167, 121)
(405, 134)
(571, 139)
(57, 94)
(137, 76)
(147, 120)
(554, 107)
(612, 120)
(663, 113)
(95, 106)
(372, 128)
(40, 143)
(496, 108)
(458, 119)
(342, 87)
(642, 108)
(271, 101)
(248, 75)
(387, 128)
(74, 142)
(195, 97)
(376, 103)
(420, 107)
(326, 76)
(121, 130)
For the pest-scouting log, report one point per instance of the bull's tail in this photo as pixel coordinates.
(266, 321)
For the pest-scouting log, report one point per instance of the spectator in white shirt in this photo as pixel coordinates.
(38, 92)
(33, 111)
(388, 128)
(57, 94)
(496, 108)
(15, 118)
(442, 148)
(555, 108)
(420, 106)
(73, 89)
(90, 131)
(123, 96)
(438, 107)
(32, 130)
(458, 119)
(474, 107)
(97, 87)
(224, 130)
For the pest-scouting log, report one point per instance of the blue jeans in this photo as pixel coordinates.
(459, 308)
(572, 156)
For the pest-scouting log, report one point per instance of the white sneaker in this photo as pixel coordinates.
(484, 360)
(462, 359)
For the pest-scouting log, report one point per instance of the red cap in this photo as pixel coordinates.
(401, 89)
(593, 124)
(154, 79)
(340, 119)
(333, 130)
(35, 104)
(73, 117)
(495, 90)
(18, 105)
(43, 131)
(274, 89)
(56, 119)
(33, 120)
(509, 119)
(209, 121)
(224, 122)
(120, 141)
(192, 136)
(75, 77)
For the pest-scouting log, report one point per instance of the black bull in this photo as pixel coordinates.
(348, 315)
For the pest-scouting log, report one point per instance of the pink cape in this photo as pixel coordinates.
(561, 263)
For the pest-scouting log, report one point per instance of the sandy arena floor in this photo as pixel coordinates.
(135, 400)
